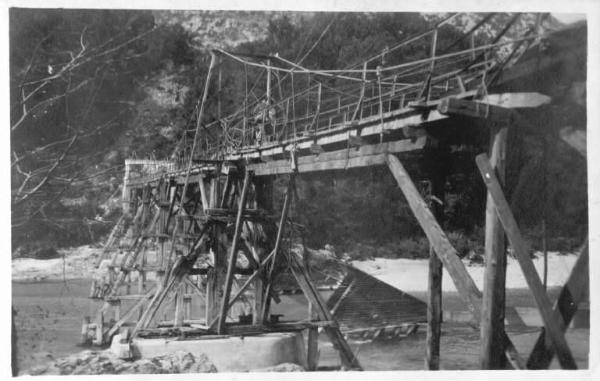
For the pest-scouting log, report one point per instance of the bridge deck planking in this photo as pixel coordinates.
(370, 126)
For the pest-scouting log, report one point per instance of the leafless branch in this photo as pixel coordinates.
(27, 112)
(27, 194)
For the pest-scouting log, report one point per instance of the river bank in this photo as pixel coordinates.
(73, 263)
(50, 297)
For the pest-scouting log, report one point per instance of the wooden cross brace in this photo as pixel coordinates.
(572, 293)
(445, 251)
(551, 318)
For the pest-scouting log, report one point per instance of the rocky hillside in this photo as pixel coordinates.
(232, 28)
(224, 29)
(149, 95)
(466, 21)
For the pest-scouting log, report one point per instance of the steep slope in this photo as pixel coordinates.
(224, 28)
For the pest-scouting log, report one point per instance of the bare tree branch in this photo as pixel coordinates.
(28, 112)
(27, 194)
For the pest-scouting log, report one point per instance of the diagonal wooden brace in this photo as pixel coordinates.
(571, 294)
(282, 222)
(336, 337)
(445, 251)
(550, 318)
(243, 288)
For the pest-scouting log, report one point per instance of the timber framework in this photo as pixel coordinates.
(202, 228)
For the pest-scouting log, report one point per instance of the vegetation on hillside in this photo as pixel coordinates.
(90, 88)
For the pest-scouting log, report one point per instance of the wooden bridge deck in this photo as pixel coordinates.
(364, 141)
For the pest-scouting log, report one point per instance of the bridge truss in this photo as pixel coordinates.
(202, 227)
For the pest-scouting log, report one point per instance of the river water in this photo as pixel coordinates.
(50, 313)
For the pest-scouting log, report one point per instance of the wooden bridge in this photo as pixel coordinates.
(203, 227)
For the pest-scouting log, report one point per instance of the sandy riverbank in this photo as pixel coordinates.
(74, 263)
(411, 274)
(404, 274)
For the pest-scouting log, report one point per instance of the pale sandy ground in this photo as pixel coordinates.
(78, 263)
(404, 274)
(411, 274)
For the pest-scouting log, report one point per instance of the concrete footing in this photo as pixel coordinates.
(228, 353)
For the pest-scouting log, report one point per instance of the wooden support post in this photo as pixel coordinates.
(445, 251)
(573, 292)
(226, 190)
(146, 192)
(99, 339)
(233, 254)
(268, 83)
(214, 191)
(179, 305)
(215, 281)
(171, 195)
(219, 87)
(312, 345)
(282, 221)
(492, 312)
(358, 110)
(434, 39)
(203, 194)
(187, 303)
(161, 260)
(117, 306)
(434, 289)
(258, 302)
(315, 121)
(549, 317)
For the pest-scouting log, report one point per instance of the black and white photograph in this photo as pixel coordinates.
(279, 187)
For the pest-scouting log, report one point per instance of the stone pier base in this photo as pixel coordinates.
(228, 353)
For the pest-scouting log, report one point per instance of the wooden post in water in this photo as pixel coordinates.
(550, 318)
(312, 348)
(434, 285)
(492, 312)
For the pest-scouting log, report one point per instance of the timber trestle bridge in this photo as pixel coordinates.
(200, 239)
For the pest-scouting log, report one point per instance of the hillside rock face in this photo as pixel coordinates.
(224, 29)
(466, 21)
(228, 29)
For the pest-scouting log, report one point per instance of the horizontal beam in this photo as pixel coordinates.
(517, 100)
(363, 156)
(475, 109)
